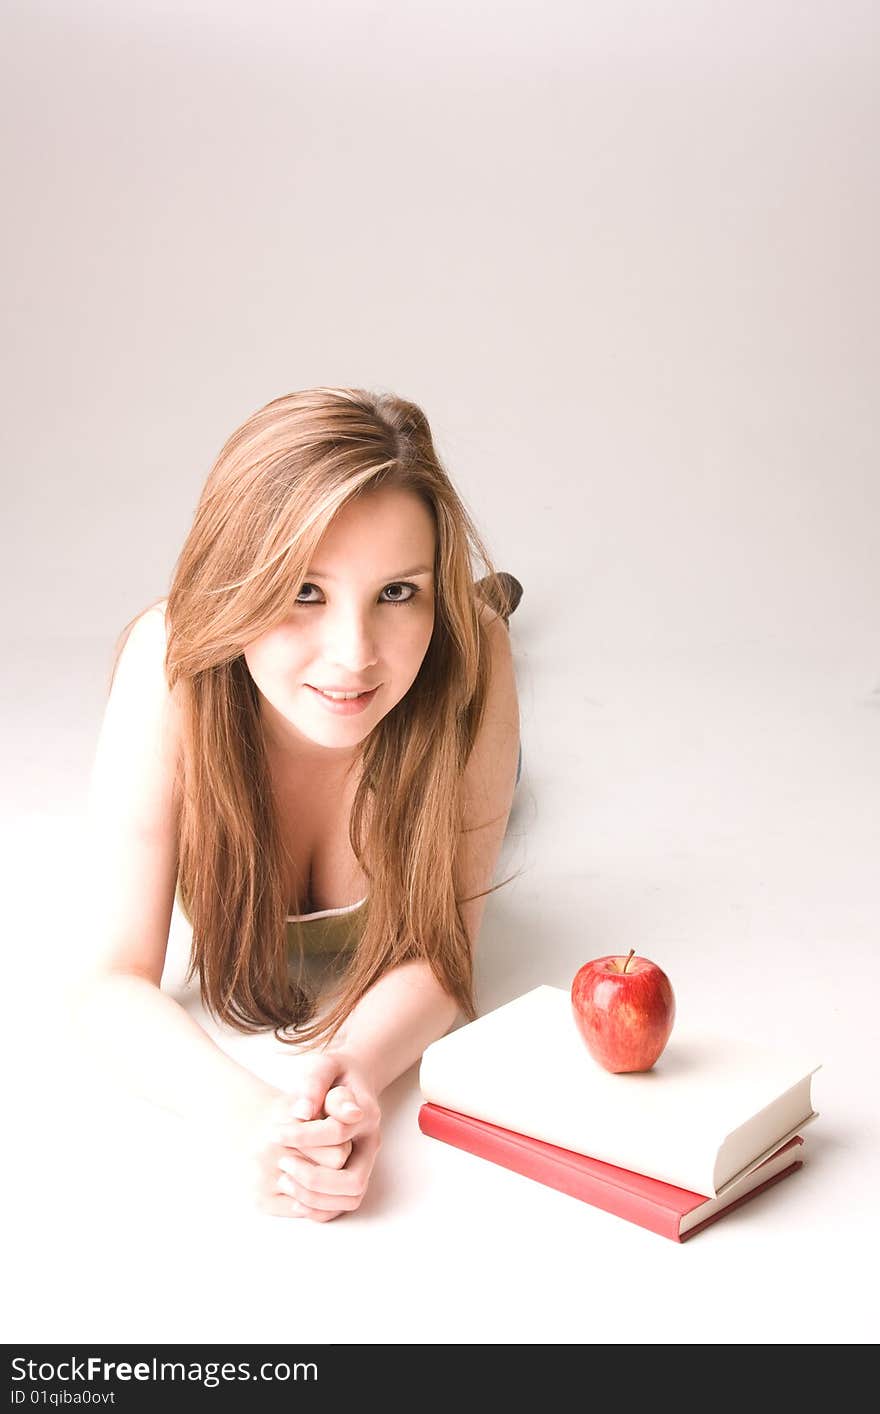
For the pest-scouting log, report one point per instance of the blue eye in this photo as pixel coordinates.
(398, 584)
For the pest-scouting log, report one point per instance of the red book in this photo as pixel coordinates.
(672, 1212)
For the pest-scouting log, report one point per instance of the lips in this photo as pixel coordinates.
(361, 691)
(345, 706)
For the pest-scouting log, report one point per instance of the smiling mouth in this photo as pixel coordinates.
(344, 696)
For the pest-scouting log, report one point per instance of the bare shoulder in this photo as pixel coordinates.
(136, 764)
(157, 609)
(142, 656)
(155, 613)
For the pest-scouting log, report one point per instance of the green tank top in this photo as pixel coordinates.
(331, 930)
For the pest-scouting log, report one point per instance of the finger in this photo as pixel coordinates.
(340, 1102)
(312, 1086)
(317, 1215)
(314, 1202)
(325, 1189)
(313, 1133)
(278, 1205)
(312, 1179)
(362, 1118)
(318, 1191)
(363, 1157)
(330, 1156)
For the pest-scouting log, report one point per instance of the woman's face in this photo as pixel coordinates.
(361, 620)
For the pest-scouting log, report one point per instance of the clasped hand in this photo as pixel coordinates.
(316, 1141)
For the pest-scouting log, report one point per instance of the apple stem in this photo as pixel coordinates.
(626, 964)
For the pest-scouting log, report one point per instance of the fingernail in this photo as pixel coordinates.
(302, 1110)
(349, 1108)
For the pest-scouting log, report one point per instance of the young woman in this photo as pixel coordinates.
(237, 770)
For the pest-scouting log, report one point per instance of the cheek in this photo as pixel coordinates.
(417, 645)
(271, 659)
(412, 641)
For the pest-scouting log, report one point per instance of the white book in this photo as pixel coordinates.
(710, 1110)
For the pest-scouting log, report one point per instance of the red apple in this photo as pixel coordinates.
(624, 1008)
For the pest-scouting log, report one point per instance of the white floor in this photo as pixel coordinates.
(720, 817)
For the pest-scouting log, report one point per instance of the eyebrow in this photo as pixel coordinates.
(401, 574)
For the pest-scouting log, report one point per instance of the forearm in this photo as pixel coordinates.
(389, 1028)
(140, 1037)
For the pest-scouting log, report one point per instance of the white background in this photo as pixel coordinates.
(624, 256)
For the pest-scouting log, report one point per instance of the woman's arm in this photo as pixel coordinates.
(131, 1030)
(386, 1032)
(143, 1039)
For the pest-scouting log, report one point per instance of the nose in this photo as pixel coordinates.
(350, 639)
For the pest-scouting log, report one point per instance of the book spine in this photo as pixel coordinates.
(549, 1168)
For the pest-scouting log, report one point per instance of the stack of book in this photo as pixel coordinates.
(716, 1121)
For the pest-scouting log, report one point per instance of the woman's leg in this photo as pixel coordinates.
(502, 592)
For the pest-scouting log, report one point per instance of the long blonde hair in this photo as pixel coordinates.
(273, 491)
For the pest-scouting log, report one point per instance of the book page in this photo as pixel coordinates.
(524, 1066)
